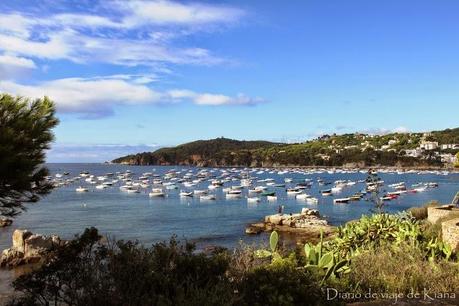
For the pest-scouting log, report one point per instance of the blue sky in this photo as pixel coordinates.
(129, 76)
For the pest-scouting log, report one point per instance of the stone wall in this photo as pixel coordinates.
(436, 213)
(450, 233)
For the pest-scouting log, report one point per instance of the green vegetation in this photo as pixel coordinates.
(89, 272)
(328, 150)
(25, 134)
(387, 253)
(201, 152)
(456, 164)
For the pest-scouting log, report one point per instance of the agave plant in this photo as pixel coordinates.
(327, 264)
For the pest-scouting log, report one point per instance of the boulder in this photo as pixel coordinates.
(19, 237)
(37, 245)
(254, 229)
(4, 222)
(310, 212)
(274, 219)
(27, 248)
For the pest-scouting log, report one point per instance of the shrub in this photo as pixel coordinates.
(402, 269)
(281, 285)
(420, 213)
(86, 272)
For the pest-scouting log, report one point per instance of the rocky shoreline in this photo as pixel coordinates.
(28, 248)
(304, 225)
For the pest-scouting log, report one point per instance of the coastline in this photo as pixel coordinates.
(450, 168)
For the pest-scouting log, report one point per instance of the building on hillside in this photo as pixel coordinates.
(452, 146)
(448, 158)
(428, 145)
(414, 152)
(392, 142)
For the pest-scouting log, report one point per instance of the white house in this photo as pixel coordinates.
(450, 146)
(413, 152)
(429, 145)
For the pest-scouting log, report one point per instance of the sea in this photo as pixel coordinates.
(136, 216)
(222, 222)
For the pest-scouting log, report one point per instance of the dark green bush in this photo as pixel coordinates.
(86, 272)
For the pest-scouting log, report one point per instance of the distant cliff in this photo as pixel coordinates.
(433, 149)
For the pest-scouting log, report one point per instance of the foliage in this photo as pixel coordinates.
(420, 213)
(25, 134)
(401, 268)
(456, 164)
(373, 181)
(87, 272)
(329, 264)
(281, 285)
(371, 232)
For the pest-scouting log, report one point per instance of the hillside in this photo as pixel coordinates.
(432, 149)
(213, 152)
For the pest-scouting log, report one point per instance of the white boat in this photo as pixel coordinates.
(156, 192)
(233, 195)
(342, 200)
(200, 192)
(234, 192)
(208, 197)
(303, 196)
(293, 191)
(186, 193)
(271, 198)
(129, 189)
(253, 200)
(171, 187)
(81, 189)
(312, 200)
(101, 186)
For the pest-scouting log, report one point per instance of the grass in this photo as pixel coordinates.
(402, 269)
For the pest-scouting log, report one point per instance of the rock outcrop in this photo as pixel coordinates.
(28, 248)
(305, 223)
(4, 222)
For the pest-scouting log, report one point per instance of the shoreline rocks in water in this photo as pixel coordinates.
(4, 222)
(308, 222)
(27, 248)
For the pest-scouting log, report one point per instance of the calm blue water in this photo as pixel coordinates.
(136, 216)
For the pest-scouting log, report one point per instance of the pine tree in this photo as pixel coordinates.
(25, 134)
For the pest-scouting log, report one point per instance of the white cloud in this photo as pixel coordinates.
(213, 99)
(135, 33)
(12, 66)
(16, 61)
(401, 129)
(96, 97)
(167, 12)
(383, 131)
(86, 96)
